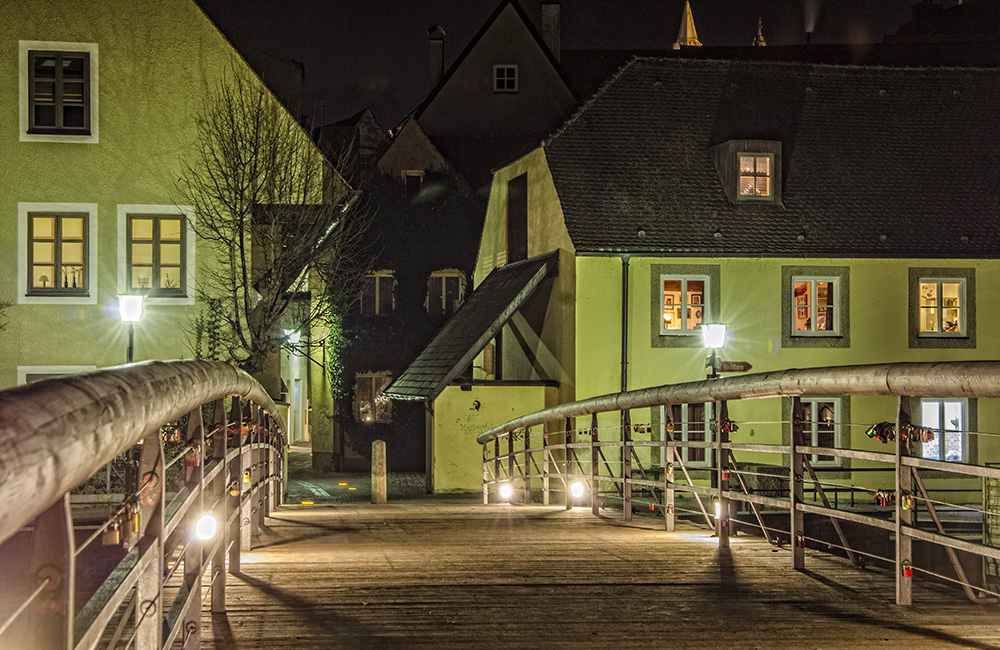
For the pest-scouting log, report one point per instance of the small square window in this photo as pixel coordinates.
(58, 257)
(505, 78)
(942, 307)
(376, 293)
(755, 176)
(684, 304)
(370, 405)
(815, 306)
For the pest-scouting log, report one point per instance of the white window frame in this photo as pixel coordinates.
(770, 176)
(496, 79)
(705, 299)
(23, 210)
(813, 282)
(811, 431)
(940, 431)
(24, 371)
(57, 46)
(186, 211)
(441, 276)
(963, 308)
(682, 431)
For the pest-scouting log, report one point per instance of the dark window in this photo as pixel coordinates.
(412, 182)
(57, 254)
(376, 294)
(59, 92)
(517, 218)
(505, 78)
(156, 255)
(369, 403)
(445, 292)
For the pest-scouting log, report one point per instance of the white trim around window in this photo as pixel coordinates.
(187, 211)
(949, 417)
(24, 371)
(23, 210)
(689, 305)
(807, 311)
(22, 66)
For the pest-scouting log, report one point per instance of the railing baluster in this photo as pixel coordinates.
(52, 559)
(595, 500)
(193, 557)
(626, 457)
(904, 517)
(722, 516)
(796, 489)
(545, 463)
(149, 587)
(526, 470)
(569, 454)
(220, 492)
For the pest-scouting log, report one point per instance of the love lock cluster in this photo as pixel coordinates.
(128, 519)
(886, 432)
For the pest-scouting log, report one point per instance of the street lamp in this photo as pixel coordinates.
(130, 310)
(714, 336)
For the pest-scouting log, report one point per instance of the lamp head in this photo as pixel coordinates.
(714, 335)
(130, 308)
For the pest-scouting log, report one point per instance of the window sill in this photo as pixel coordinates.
(56, 299)
(70, 132)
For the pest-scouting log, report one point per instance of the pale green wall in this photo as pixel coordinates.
(156, 62)
(456, 456)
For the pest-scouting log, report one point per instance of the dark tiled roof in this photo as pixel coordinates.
(471, 328)
(877, 161)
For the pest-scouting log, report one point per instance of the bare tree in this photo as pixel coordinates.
(283, 226)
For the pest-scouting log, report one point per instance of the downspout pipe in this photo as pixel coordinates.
(625, 303)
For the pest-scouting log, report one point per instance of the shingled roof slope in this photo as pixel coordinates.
(876, 161)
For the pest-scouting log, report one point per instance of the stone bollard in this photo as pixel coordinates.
(378, 472)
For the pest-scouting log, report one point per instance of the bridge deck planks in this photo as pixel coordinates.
(456, 575)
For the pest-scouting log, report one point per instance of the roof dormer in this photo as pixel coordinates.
(750, 172)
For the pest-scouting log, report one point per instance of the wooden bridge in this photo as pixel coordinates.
(442, 573)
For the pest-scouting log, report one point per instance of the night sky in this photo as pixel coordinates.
(373, 53)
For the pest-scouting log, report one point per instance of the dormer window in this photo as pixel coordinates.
(755, 175)
(750, 172)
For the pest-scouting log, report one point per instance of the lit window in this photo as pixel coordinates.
(445, 292)
(156, 254)
(942, 307)
(684, 304)
(815, 306)
(947, 417)
(57, 254)
(505, 78)
(59, 92)
(691, 423)
(370, 405)
(820, 427)
(376, 293)
(755, 175)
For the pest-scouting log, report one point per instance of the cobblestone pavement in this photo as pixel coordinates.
(308, 485)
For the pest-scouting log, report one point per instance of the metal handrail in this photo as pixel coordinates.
(55, 434)
(945, 379)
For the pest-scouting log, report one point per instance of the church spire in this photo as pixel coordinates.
(758, 40)
(687, 34)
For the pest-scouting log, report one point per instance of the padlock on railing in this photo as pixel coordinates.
(907, 570)
(246, 476)
(112, 535)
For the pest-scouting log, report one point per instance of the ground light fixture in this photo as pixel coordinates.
(130, 310)
(576, 489)
(206, 527)
(506, 491)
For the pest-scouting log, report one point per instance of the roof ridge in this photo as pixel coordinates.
(582, 108)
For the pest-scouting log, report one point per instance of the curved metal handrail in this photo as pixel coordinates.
(945, 379)
(55, 434)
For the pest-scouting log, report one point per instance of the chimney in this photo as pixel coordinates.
(435, 38)
(550, 26)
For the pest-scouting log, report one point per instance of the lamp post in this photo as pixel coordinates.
(714, 336)
(130, 310)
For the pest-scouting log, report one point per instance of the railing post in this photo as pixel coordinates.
(569, 454)
(148, 589)
(904, 517)
(545, 463)
(510, 462)
(52, 559)
(626, 466)
(796, 486)
(257, 453)
(221, 492)
(486, 474)
(526, 472)
(240, 531)
(595, 501)
(496, 469)
(194, 474)
(722, 519)
(670, 521)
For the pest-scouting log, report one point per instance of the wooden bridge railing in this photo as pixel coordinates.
(603, 460)
(140, 566)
